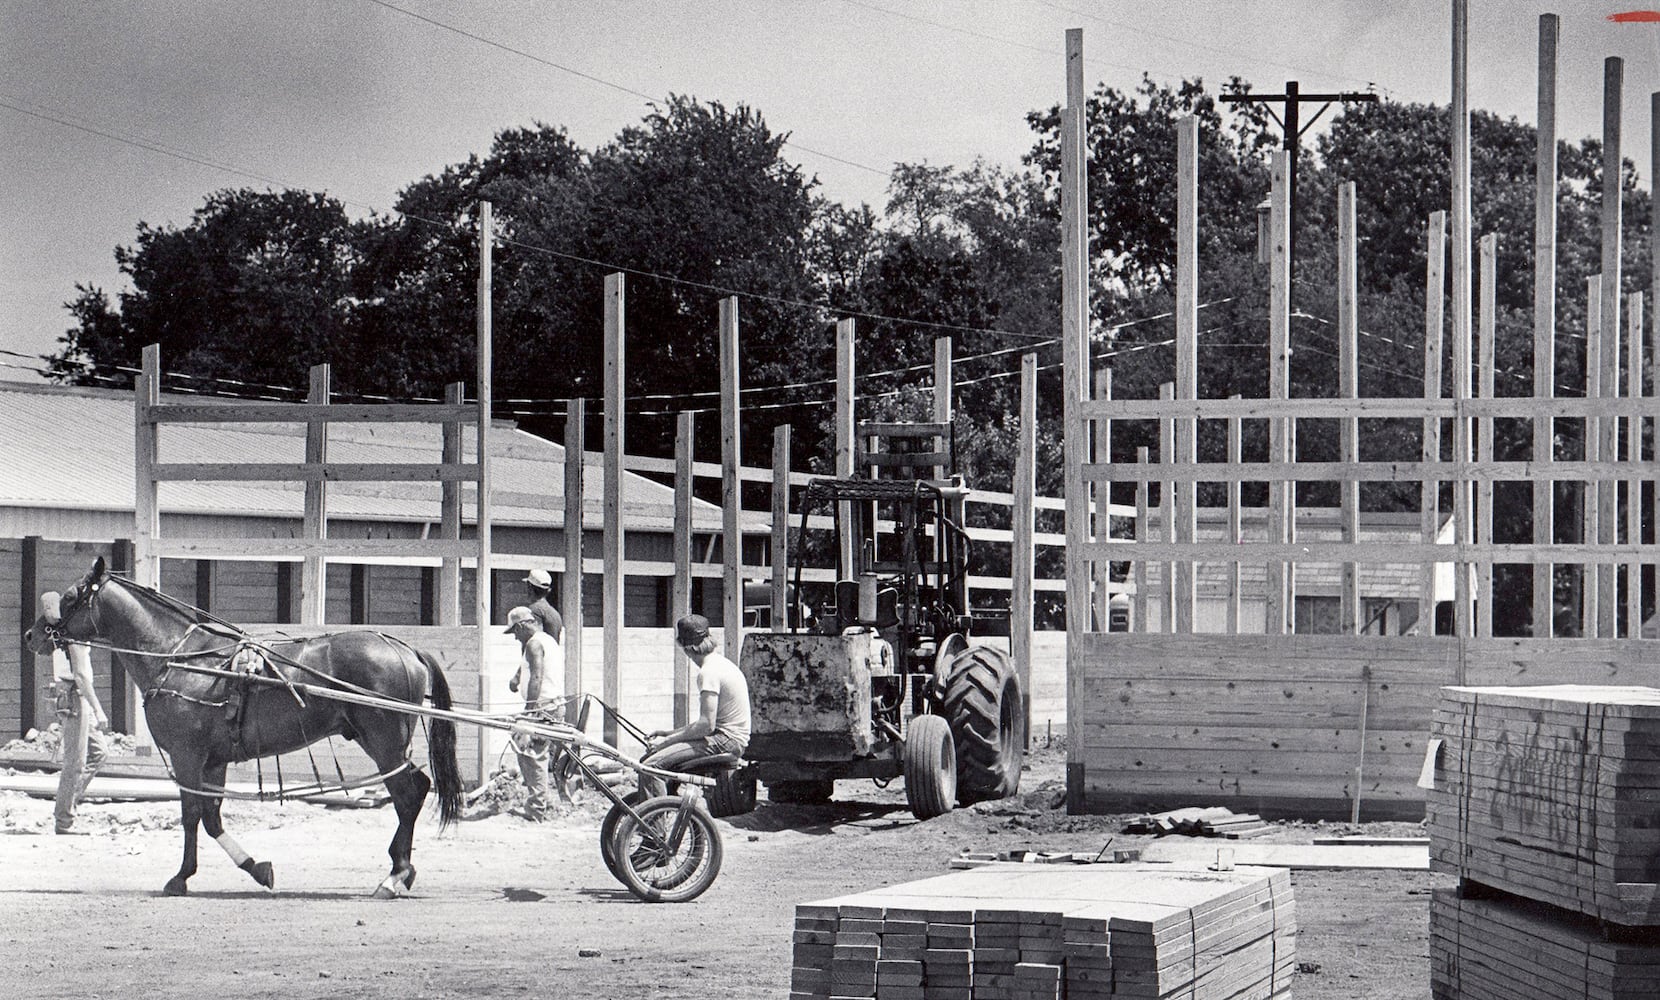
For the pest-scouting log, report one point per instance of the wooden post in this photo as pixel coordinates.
(1100, 450)
(1167, 513)
(1544, 317)
(611, 586)
(1074, 388)
(1022, 564)
(1613, 76)
(1633, 455)
(146, 503)
(681, 598)
(845, 413)
(484, 584)
(1484, 488)
(1589, 595)
(1187, 359)
(1143, 509)
(1654, 327)
(1348, 377)
(450, 515)
(570, 590)
(731, 489)
(28, 606)
(1280, 493)
(1236, 455)
(944, 397)
(1429, 519)
(1461, 236)
(314, 569)
(780, 527)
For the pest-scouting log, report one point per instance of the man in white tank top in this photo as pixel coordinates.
(534, 676)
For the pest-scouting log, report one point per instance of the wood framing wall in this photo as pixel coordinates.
(1180, 712)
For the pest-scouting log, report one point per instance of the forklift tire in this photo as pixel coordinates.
(733, 794)
(987, 709)
(930, 767)
(805, 792)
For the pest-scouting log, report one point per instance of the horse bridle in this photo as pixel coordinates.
(86, 595)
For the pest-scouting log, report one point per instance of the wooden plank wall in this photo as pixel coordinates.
(1268, 723)
(15, 607)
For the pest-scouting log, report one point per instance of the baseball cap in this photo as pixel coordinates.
(518, 616)
(540, 578)
(691, 630)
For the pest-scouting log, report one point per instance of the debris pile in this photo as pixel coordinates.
(1216, 821)
(50, 741)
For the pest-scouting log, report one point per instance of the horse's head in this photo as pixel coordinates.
(68, 615)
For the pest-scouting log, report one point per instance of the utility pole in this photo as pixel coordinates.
(1292, 125)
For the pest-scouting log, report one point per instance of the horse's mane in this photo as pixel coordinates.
(195, 615)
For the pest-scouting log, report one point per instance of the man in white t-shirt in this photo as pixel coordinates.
(535, 673)
(722, 723)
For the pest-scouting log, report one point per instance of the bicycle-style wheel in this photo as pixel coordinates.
(671, 854)
(608, 830)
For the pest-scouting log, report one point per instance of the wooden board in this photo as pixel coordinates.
(1304, 857)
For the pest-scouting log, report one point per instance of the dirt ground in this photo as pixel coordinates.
(505, 908)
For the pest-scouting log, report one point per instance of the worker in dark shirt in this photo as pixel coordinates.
(539, 582)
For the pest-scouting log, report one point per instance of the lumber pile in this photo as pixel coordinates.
(1022, 932)
(1214, 821)
(1545, 801)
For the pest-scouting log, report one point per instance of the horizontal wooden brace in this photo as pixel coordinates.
(310, 473)
(1370, 553)
(339, 548)
(903, 430)
(1502, 407)
(1375, 472)
(299, 413)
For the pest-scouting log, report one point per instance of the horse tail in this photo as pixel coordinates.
(441, 748)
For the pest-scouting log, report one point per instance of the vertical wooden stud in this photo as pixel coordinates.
(612, 583)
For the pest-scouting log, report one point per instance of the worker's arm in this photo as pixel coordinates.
(534, 668)
(703, 725)
(80, 667)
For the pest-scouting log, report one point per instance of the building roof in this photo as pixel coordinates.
(72, 448)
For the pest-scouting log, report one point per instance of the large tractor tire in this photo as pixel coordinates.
(987, 712)
(930, 764)
(801, 792)
(733, 794)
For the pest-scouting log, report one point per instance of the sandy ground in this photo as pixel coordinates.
(505, 908)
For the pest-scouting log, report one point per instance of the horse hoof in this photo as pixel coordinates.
(409, 877)
(265, 875)
(389, 888)
(175, 887)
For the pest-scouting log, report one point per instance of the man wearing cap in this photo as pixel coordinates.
(539, 582)
(541, 653)
(722, 723)
(82, 723)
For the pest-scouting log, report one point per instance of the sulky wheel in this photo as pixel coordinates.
(987, 712)
(608, 830)
(930, 764)
(671, 854)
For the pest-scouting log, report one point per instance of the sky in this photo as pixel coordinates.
(117, 113)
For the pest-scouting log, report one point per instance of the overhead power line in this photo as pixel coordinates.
(483, 40)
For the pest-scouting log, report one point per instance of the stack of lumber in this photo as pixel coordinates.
(1553, 794)
(1020, 932)
(1545, 801)
(1491, 948)
(1215, 821)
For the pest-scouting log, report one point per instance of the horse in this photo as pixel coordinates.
(203, 717)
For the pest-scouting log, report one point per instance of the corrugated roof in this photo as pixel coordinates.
(72, 448)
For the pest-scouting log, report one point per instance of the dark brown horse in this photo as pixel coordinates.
(203, 720)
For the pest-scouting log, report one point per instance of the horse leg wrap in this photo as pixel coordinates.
(239, 857)
(391, 887)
